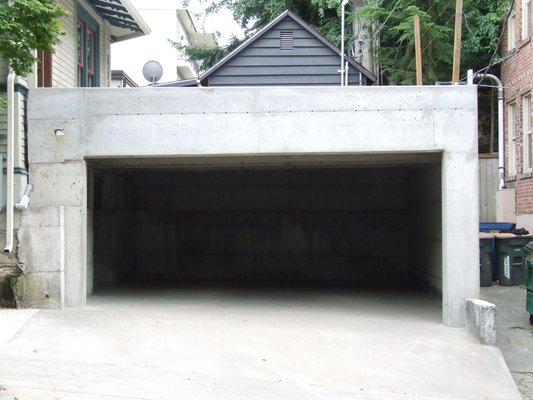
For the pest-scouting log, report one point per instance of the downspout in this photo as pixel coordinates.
(10, 209)
(24, 202)
(501, 154)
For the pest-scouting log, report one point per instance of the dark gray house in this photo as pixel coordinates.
(288, 51)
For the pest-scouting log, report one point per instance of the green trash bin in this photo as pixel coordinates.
(510, 253)
(529, 263)
(485, 259)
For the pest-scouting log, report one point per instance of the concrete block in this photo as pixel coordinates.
(75, 257)
(41, 217)
(480, 320)
(45, 146)
(39, 290)
(58, 184)
(55, 103)
(40, 248)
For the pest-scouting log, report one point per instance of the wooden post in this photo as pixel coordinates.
(418, 52)
(457, 41)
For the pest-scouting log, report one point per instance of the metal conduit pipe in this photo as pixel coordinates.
(10, 160)
(501, 154)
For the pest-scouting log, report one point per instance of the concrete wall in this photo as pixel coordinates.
(336, 225)
(425, 224)
(275, 123)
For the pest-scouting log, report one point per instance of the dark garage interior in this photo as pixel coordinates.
(335, 225)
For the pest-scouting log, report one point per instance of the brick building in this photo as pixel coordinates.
(517, 77)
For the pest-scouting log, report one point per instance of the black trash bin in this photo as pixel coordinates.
(486, 259)
(511, 261)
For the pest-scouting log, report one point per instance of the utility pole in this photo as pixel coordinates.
(418, 52)
(457, 41)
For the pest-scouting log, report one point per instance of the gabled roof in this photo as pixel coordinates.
(266, 28)
(125, 20)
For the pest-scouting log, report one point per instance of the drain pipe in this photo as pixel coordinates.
(501, 155)
(10, 160)
(24, 202)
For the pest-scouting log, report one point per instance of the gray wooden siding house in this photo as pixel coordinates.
(288, 51)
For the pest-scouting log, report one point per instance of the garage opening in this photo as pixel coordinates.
(370, 226)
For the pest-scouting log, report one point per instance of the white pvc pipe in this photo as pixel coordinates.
(10, 160)
(501, 149)
(343, 6)
(346, 70)
(24, 202)
(2, 204)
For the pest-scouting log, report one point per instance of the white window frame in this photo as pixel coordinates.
(511, 31)
(511, 139)
(527, 133)
(527, 15)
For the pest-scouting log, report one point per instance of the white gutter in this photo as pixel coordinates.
(10, 209)
(501, 149)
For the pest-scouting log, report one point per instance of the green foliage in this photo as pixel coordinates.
(482, 24)
(209, 55)
(27, 25)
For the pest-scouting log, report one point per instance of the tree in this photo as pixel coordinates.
(394, 22)
(28, 25)
(482, 24)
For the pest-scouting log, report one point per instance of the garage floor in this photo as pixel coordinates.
(248, 343)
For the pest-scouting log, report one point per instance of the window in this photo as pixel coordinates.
(87, 50)
(527, 128)
(44, 69)
(286, 40)
(511, 139)
(527, 15)
(511, 26)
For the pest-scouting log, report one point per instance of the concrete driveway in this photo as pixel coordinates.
(209, 343)
(515, 333)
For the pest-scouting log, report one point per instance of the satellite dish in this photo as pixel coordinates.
(152, 71)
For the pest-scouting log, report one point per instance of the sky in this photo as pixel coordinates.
(131, 55)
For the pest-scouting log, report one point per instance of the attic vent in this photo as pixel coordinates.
(287, 40)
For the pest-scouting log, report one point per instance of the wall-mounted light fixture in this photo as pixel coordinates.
(60, 132)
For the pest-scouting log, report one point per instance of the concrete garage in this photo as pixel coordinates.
(289, 185)
(251, 242)
(347, 225)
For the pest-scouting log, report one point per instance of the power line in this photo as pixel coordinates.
(432, 40)
(381, 27)
(438, 15)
